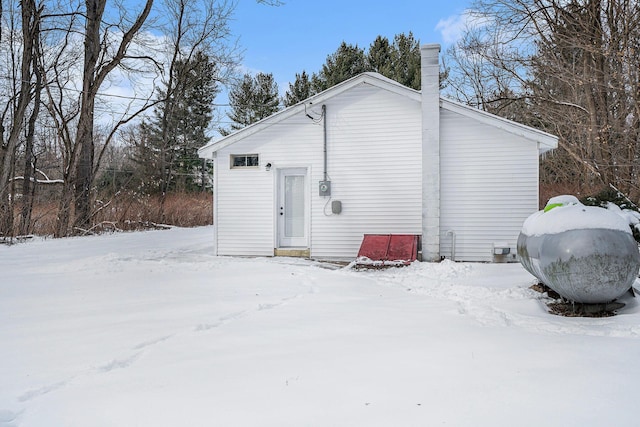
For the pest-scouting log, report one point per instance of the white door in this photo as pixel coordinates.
(292, 207)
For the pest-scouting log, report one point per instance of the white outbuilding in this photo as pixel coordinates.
(371, 156)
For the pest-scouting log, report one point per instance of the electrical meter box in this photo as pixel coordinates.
(324, 188)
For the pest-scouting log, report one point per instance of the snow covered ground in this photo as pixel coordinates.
(150, 329)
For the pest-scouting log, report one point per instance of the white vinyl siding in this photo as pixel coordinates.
(373, 146)
(243, 225)
(246, 198)
(488, 182)
(374, 165)
(489, 186)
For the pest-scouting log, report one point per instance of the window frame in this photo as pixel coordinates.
(233, 157)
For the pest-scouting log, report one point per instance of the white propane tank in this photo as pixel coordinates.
(586, 254)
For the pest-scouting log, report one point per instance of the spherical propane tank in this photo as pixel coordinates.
(586, 254)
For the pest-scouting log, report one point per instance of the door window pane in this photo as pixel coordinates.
(294, 206)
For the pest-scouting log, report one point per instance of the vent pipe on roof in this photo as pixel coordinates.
(430, 76)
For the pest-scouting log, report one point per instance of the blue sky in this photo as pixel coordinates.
(299, 34)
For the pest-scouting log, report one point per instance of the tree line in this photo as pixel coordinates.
(570, 68)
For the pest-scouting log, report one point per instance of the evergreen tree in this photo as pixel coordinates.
(169, 141)
(348, 61)
(399, 61)
(265, 99)
(406, 61)
(300, 90)
(240, 101)
(252, 100)
(380, 56)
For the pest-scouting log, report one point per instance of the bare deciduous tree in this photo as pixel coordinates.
(28, 182)
(97, 66)
(106, 46)
(568, 67)
(16, 111)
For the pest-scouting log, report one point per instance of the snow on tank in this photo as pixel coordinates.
(586, 254)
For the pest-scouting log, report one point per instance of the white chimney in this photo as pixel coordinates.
(430, 76)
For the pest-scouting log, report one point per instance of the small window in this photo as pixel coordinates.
(244, 161)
